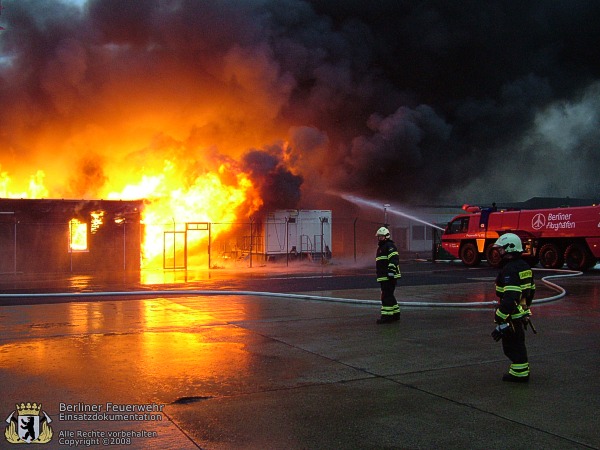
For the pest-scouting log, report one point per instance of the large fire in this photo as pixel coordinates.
(172, 202)
(196, 127)
(181, 150)
(174, 196)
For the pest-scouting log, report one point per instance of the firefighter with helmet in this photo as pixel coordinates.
(388, 272)
(515, 288)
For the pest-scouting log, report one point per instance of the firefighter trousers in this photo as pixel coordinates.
(389, 305)
(513, 345)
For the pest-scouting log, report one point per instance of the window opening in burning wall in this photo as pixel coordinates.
(78, 238)
(97, 219)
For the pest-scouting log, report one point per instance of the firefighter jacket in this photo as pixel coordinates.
(387, 260)
(515, 288)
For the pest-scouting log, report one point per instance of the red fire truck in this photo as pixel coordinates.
(551, 237)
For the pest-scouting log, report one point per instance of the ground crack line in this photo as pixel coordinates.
(456, 402)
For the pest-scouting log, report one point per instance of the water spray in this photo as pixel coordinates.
(388, 209)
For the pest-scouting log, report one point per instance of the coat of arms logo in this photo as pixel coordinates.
(29, 425)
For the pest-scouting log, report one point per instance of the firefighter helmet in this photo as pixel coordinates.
(510, 242)
(383, 231)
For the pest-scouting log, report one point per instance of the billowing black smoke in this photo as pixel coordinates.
(278, 187)
(481, 100)
(403, 100)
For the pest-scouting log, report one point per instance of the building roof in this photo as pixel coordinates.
(47, 208)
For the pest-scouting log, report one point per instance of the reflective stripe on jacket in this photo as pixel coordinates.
(515, 288)
(387, 260)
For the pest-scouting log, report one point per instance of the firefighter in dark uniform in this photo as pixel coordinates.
(515, 288)
(388, 272)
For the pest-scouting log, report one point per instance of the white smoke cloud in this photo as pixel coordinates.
(556, 157)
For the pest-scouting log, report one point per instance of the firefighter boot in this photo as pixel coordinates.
(385, 319)
(511, 378)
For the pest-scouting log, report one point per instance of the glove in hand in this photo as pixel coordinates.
(500, 331)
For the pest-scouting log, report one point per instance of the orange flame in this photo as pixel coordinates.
(136, 137)
(173, 198)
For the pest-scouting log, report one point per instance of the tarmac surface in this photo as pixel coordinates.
(184, 370)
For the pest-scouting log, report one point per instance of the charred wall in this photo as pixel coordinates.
(37, 235)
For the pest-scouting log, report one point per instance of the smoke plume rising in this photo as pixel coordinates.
(408, 101)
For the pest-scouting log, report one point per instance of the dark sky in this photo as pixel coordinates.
(402, 101)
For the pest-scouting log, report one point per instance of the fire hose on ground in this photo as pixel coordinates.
(190, 292)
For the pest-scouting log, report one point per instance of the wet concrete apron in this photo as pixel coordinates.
(259, 372)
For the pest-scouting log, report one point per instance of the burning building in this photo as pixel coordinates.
(69, 235)
(82, 236)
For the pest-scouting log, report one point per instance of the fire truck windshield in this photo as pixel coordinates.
(460, 225)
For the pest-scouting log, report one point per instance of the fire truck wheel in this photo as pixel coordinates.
(551, 257)
(469, 255)
(493, 256)
(578, 257)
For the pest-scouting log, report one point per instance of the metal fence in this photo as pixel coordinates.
(44, 247)
(47, 247)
